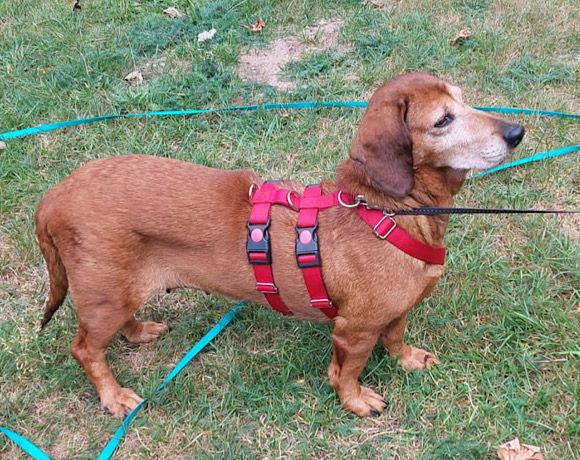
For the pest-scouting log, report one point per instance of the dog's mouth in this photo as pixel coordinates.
(497, 158)
(511, 136)
(497, 161)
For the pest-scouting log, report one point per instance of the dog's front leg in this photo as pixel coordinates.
(351, 349)
(411, 358)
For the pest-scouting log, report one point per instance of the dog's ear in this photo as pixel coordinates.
(383, 147)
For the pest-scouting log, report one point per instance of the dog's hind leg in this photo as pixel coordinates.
(142, 331)
(351, 349)
(98, 325)
(411, 358)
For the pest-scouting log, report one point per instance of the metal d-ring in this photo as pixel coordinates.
(251, 190)
(289, 200)
(359, 200)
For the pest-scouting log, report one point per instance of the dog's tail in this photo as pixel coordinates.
(56, 270)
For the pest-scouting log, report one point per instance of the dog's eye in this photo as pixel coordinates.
(444, 121)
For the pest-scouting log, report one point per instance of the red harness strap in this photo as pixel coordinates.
(308, 252)
(259, 250)
(385, 227)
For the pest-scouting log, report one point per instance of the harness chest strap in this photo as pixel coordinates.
(308, 252)
(260, 254)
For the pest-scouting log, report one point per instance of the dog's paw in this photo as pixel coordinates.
(416, 358)
(147, 332)
(120, 402)
(366, 403)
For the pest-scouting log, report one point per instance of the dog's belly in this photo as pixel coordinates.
(231, 277)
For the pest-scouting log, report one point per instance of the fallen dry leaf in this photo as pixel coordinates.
(257, 27)
(134, 78)
(172, 12)
(206, 35)
(2, 145)
(513, 450)
(461, 35)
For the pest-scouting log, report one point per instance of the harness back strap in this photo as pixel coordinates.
(308, 251)
(259, 251)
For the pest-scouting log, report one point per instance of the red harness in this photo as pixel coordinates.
(308, 205)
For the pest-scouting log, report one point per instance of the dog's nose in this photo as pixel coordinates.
(513, 134)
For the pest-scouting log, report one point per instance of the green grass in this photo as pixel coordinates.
(503, 321)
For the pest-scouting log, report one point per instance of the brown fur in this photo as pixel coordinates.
(118, 230)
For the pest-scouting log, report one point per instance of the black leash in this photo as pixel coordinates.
(438, 211)
(431, 211)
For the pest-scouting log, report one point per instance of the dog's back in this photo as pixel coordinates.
(117, 214)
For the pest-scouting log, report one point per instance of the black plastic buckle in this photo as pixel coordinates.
(310, 248)
(262, 246)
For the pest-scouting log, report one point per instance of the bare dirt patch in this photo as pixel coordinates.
(152, 68)
(265, 66)
(148, 70)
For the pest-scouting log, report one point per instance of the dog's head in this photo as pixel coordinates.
(417, 120)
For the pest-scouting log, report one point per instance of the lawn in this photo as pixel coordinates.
(503, 321)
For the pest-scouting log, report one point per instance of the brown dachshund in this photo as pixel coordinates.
(118, 230)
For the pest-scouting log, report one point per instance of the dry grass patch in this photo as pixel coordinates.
(265, 66)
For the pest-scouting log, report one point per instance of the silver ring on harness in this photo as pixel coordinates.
(359, 200)
(251, 190)
(289, 200)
